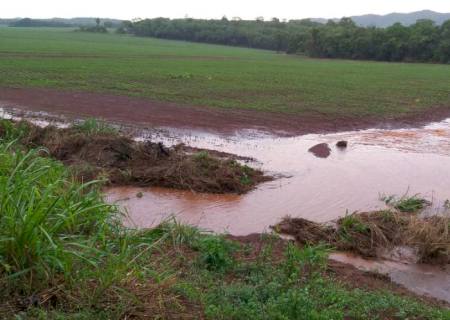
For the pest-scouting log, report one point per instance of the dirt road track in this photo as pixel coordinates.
(142, 111)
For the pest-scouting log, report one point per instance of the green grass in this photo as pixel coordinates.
(217, 76)
(48, 224)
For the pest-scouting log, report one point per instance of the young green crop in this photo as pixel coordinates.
(217, 76)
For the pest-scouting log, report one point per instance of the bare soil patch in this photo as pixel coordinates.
(140, 111)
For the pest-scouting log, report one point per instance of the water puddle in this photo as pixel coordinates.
(375, 163)
(432, 281)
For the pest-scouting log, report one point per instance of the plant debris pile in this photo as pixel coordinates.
(371, 233)
(95, 151)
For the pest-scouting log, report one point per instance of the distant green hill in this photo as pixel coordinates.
(404, 18)
(387, 20)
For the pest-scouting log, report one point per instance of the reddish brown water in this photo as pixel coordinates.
(376, 162)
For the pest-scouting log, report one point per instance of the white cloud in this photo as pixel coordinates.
(247, 9)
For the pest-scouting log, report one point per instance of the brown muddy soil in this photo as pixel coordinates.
(371, 233)
(123, 161)
(142, 111)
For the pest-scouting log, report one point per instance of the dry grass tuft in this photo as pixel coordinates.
(431, 237)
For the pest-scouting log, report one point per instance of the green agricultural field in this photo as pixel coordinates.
(217, 76)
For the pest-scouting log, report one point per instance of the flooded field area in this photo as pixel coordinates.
(375, 163)
(317, 177)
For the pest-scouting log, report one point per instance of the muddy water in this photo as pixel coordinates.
(376, 162)
(433, 281)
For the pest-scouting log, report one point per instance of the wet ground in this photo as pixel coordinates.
(316, 186)
(116, 108)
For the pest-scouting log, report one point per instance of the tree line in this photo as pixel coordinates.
(423, 41)
(34, 23)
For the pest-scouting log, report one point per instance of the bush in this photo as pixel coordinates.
(216, 253)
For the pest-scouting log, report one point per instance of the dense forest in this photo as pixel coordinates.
(61, 22)
(423, 41)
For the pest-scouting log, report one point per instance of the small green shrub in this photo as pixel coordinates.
(93, 126)
(406, 204)
(216, 253)
(350, 224)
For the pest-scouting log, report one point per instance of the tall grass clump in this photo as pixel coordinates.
(49, 225)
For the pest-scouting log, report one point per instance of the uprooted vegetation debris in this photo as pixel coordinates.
(372, 233)
(95, 150)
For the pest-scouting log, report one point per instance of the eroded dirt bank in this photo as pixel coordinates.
(94, 150)
(158, 114)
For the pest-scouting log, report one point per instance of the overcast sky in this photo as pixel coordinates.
(246, 9)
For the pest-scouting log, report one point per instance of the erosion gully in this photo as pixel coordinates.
(376, 162)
